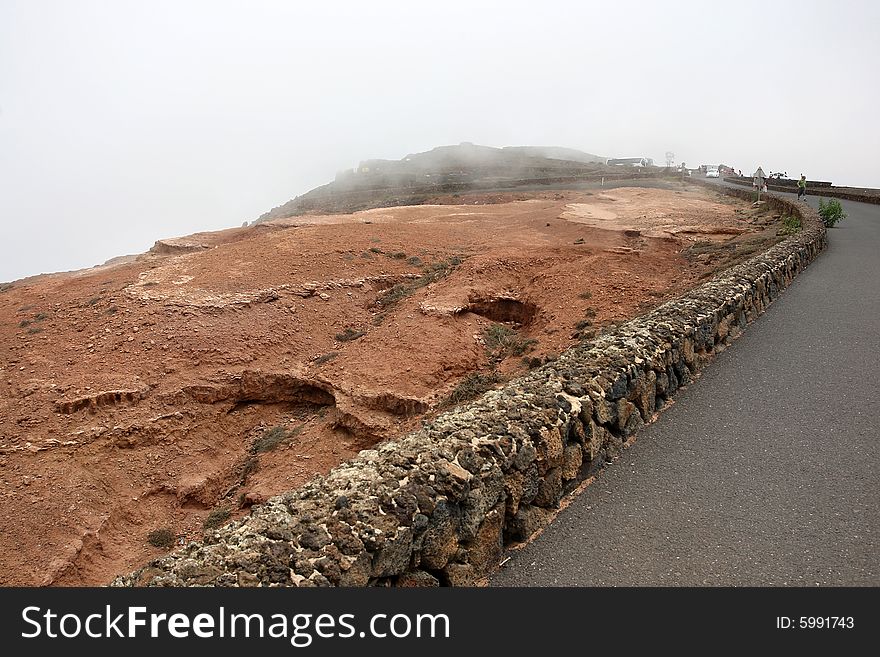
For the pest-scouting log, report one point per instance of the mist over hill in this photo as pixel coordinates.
(557, 153)
(461, 167)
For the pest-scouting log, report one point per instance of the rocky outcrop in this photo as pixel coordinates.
(178, 293)
(257, 386)
(436, 506)
(94, 400)
(177, 245)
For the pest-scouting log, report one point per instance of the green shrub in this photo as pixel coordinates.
(161, 538)
(270, 439)
(502, 341)
(430, 274)
(790, 225)
(473, 385)
(249, 466)
(216, 518)
(831, 211)
(349, 334)
(325, 357)
(395, 294)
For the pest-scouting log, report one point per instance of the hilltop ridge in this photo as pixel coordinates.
(455, 168)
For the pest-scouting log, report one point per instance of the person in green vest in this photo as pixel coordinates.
(802, 187)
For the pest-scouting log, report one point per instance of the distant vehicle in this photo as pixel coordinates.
(712, 172)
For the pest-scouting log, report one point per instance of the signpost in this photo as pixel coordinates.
(758, 181)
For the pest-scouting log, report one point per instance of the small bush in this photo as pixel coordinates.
(216, 518)
(502, 341)
(249, 466)
(584, 323)
(375, 249)
(93, 301)
(39, 317)
(585, 295)
(395, 294)
(472, 386)
(161, 538)
(272, 438)
(112, 310)
(33, 330)
(325, 357)
(831, 211)
(24, 323)
(415, 261)
(349, 334)
(6, 286)
(399, 255)
(790, 225)
(430, 274)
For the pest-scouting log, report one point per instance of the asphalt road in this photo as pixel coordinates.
(765, 471)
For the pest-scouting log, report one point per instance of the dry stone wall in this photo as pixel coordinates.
(863, 195)
(437, 506)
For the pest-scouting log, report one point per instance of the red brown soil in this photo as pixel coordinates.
(131, 394)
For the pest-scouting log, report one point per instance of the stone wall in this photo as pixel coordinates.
(863, 195)
(437, 506)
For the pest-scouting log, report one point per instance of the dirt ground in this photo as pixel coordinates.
(222, 368)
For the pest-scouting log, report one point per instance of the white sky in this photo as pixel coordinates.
(123, 122)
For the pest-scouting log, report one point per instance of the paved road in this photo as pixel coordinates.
(765, 471)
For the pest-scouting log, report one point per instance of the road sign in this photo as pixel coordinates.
(758, 181)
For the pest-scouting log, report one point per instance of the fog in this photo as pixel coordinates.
(125, 122)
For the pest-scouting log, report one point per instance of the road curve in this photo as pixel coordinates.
(765, 471)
